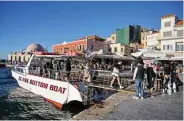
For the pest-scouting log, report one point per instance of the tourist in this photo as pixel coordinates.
(167, 71)
(87, 73)
(158, 77)
(50, 68)
(173, 72)
(68, 68)
(162, 76)
(139, 79)
(150, 79)
(109, 67)
(45, 71)
(115, 75)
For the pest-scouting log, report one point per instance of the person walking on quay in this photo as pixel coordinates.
(139, 79)
(150, 78)
(173, 75)
(167, 71)
(115, 75)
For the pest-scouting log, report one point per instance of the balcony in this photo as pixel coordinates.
(172, 37)
(177, 34)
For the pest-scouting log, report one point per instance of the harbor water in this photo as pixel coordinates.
(18, 103)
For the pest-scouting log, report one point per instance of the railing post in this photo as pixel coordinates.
(88, 96)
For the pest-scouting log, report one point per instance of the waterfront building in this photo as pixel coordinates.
(85, 45)
(25, 55)
(172, 34)
(111, 39)
(144, 37)
(118, 48)
(144, 34)
(153, 40)
(130, 35)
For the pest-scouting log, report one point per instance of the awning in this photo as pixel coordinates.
(149, 53)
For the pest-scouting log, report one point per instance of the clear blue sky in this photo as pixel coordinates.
(48, 23)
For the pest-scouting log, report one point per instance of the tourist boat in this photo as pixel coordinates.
(50, 84)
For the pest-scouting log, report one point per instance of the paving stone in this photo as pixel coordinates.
(158, 108)
(175, 116)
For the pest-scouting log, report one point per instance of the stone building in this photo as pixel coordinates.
(24, 56)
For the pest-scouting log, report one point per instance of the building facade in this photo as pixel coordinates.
(144, 34)
(111, 39)
(77, 46)
(118, 48)
(171, 34)
(81, 46)
(153, 40)
(24, 56)
(16, 57)
(123, 36)
(130, 36)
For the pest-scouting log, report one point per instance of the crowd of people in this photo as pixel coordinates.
(159, 76)
(116, 69)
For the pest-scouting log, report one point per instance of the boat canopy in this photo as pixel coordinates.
(101, 54)
(61, 57)
(113, 57)
(171, 59)
(149, 53)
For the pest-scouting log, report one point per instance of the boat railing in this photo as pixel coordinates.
(103, 78)
(98, 77)
(75, 75)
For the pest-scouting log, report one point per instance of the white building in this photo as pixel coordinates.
(153, 40)
(172, 34)
(111, 39)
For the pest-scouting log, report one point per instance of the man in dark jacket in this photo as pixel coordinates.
(139, 79)
(173, 73)
(68, 67)
(150, 79)
(167, 72)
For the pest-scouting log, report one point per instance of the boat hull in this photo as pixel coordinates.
(54, 91)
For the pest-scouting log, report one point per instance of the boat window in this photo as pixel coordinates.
(35, 61)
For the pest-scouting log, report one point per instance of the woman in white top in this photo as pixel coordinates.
(115, 75)
(87, 76)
